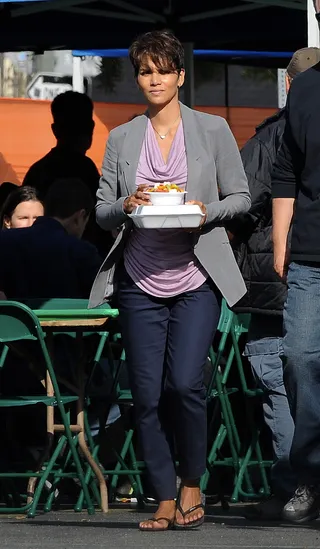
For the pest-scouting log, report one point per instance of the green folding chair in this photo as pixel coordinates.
(72, 309)
(126, 461)
(230, 448)
(225, 444)
(18, 323)
(250, 454)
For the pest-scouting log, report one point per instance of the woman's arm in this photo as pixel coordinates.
(111, 211)
(231, 179)
(109, 208)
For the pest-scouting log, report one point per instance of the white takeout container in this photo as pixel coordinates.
(166, 199)
(186, 216)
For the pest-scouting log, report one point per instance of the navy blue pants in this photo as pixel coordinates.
(167, 342)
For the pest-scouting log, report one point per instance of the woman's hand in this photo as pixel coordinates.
(202, 208)
(139, 198)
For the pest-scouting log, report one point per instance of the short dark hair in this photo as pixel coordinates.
(72, 110)
(18, 195)
(71, 102)
(163, 48)
(66, 196)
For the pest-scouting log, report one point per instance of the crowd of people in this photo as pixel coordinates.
(256, 247)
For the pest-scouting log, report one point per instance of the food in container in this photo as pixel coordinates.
(166, 194)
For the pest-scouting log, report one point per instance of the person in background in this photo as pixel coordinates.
(170, 282)
(49, 259)
(296, 193)
(21, 208)
(252, 241)
(72, 126)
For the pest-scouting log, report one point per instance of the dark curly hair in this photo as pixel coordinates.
(163, 48)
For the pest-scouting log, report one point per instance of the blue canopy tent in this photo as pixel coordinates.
(218, 54)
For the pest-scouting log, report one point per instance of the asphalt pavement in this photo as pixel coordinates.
(118, 530)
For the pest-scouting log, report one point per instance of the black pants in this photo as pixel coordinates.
(167, 342)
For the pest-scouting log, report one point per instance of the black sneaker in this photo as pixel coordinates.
(303, 506)
(268, 509)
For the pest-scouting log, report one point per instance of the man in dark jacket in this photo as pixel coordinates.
(267, 293)
(49, 259)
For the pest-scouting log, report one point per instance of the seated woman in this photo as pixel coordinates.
(21, 208)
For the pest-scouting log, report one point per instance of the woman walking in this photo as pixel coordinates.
(169, 282)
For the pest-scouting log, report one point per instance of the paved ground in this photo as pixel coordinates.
(118, 529)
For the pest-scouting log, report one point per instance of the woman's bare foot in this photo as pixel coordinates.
(166, 510)
(190, 496)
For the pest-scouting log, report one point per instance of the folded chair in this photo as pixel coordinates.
(230, 448)
(222, 431)
(250, 454)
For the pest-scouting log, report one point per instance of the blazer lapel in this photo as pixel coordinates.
(131, 150)
(193, 151)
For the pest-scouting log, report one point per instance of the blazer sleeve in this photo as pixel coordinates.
(109, 206)
(231, 179)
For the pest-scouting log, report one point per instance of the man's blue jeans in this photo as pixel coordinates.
(264, 350)
(302, 367)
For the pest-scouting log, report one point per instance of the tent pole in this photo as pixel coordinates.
(77, 75)
(282, 90)
(189, 82)
(313, 28)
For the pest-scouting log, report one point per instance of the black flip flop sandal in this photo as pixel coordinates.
(153, 519)
(194, 523)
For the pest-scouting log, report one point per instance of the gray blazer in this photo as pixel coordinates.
(214, 167)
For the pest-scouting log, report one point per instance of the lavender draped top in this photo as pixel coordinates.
(161, 261)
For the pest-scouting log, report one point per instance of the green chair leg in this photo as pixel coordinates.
(139, 490)
(218, 442)
(55, 482)
(122, 454)
(44, 477)
(89, 476)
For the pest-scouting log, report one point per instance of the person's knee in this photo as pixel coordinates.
(184, 388)
(145, 398)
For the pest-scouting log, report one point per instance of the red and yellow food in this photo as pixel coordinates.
(165, 188)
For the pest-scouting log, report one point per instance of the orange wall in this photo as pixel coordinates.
(26, 136)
